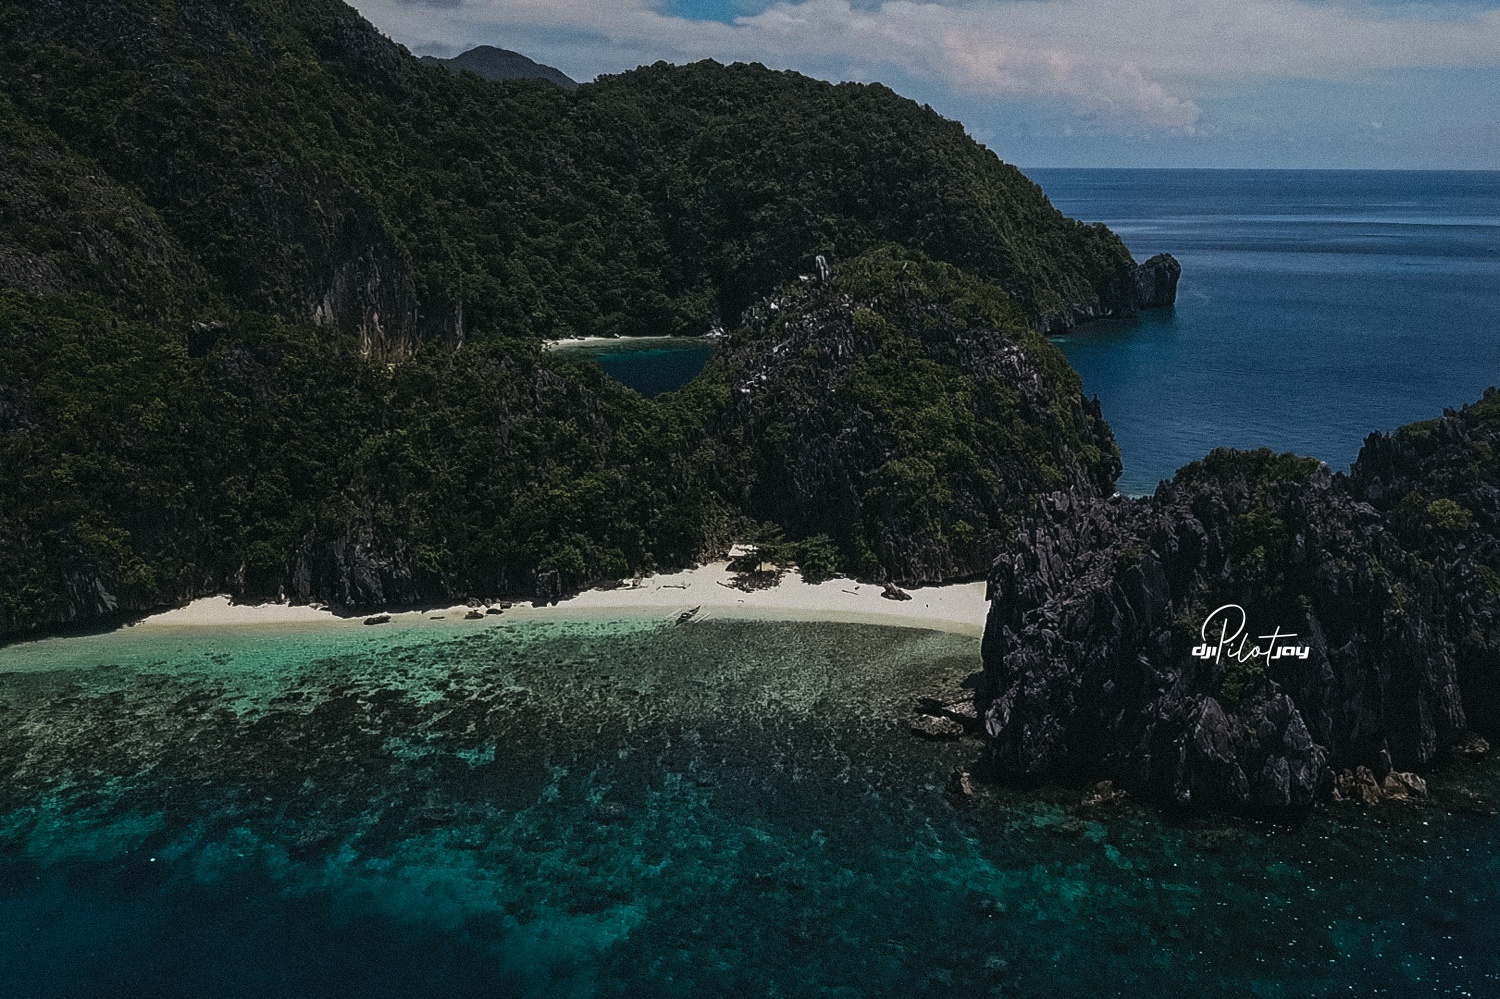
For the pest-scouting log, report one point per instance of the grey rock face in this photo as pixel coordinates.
(933, 727)
(364, 289)
(1388, 578)
(1154, 283)
(356, 568)
(822, 452)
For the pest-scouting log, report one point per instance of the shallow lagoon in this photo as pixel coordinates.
(638, 809)
(652, 365)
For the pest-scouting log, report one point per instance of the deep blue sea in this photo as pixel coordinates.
(1315, 307)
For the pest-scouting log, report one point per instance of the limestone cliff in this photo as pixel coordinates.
(904, 409)
(1093, 652)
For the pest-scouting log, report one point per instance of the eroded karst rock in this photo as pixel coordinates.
(1102, 650)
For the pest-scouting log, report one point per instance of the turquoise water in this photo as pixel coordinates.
(1315, 307)
(650, 365)
(636, 809)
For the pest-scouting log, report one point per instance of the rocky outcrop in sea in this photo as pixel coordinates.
(1155, 282)
(1124, 639)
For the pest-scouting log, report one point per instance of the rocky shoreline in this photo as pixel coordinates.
(1096, 650)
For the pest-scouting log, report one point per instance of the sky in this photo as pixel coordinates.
(1385, 84)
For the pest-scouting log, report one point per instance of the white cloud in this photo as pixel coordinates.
(1129, 66)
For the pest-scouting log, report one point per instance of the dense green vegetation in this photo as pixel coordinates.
(272, 294)
(277, 461)
(267, 464)
(288, 149)
(893, 410)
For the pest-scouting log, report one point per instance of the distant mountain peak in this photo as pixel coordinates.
(502, 64)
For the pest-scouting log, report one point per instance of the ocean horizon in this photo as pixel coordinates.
(1316, 307)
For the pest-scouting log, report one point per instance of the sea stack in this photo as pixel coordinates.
(1155, 282)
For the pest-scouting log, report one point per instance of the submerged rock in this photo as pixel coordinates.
(1103, 799)
(1472, 746)
(937, 727)
(609, 813)
(958, 705)
(961, 787)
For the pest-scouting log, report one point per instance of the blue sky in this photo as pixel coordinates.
(1223, 83)
(712, 10)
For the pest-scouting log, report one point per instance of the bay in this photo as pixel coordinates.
(1315, 307)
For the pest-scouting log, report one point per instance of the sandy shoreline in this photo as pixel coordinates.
(959, 607)
(623, 341)
(579, 341)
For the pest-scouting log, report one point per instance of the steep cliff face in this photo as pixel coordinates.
(1437, 486)
(904, 409)
(193, 180)
(1094, 658)
(362, 287)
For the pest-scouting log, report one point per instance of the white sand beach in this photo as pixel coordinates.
(581, 341)
(629, 342)
(958, 607)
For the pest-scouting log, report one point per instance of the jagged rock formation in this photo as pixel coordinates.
(501, 64)
(1151, 285)
(1387, 577)
(363, 288)
(906, 411)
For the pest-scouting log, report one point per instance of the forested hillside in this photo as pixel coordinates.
(274, 293)
(313, 170)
